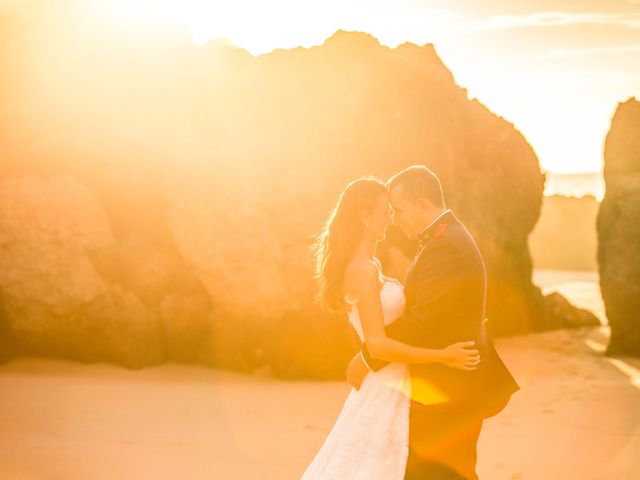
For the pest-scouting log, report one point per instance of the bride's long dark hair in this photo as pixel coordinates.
(340, 236)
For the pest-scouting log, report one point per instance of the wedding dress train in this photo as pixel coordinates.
(370, 438)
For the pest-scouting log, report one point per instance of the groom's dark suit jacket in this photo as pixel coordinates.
(445, 289)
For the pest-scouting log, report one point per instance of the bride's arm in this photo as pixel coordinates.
(365, 280)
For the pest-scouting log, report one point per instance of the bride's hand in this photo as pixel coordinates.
(460, 355)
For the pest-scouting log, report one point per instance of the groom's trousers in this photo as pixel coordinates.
(442, 442)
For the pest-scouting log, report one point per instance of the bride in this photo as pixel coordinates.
(370, 439)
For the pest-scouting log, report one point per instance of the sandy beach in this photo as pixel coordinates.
(576, 417)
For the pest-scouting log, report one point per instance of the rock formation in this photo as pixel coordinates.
(619, 230)
(210, 172)
(565, 236)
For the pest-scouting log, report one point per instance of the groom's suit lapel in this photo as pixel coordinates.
(437, 230)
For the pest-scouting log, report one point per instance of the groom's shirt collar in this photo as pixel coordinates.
(436, 228)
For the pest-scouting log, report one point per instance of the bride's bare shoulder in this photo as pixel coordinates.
(359, 274)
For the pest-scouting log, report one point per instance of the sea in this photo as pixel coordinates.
(575, 184)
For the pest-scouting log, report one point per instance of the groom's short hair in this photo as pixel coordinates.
(418, 181)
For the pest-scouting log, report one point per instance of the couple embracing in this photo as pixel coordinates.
(427, 375)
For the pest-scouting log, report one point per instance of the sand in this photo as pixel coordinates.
(576, 417)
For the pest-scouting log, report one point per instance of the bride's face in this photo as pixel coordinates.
(379, 217)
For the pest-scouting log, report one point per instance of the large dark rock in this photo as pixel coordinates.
(619, 230)
(215, 169)
(69, 289)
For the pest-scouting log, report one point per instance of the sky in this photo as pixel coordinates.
(555, 68)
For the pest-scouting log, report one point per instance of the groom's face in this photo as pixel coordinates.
(407, 211)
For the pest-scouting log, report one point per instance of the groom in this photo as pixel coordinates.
(445, 289)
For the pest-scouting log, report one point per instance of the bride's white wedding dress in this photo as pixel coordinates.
(370, 439)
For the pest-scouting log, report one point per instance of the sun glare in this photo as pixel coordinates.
(148, 12)
(258, 27)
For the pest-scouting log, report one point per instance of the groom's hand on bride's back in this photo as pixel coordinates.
(356, 371)
(461, 355)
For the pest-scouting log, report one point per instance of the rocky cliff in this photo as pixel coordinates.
(619, 230)
(159, 199)
(565, 236)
